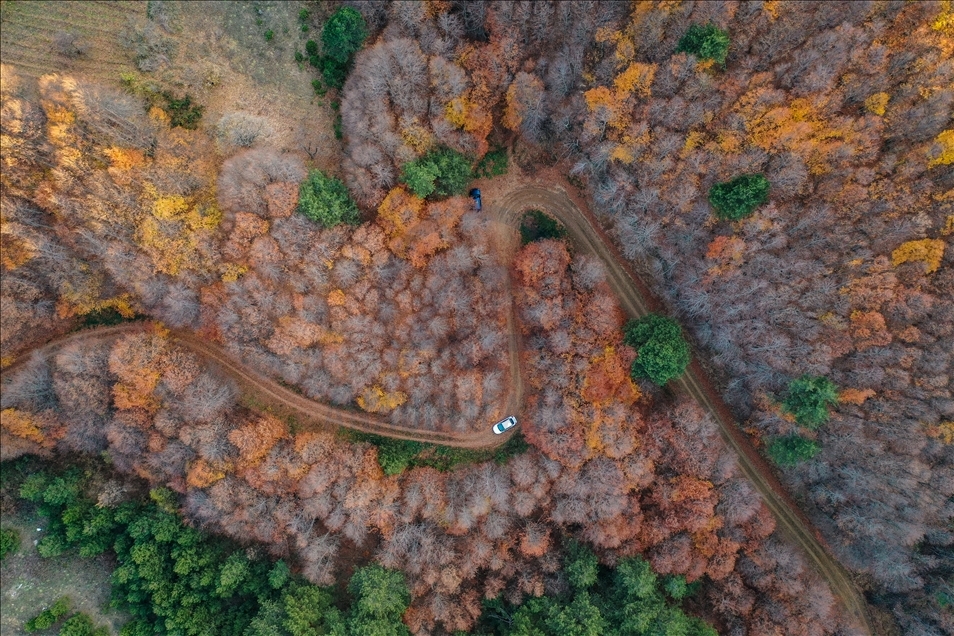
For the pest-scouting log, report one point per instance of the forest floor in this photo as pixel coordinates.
(224, 59)
(30, 583)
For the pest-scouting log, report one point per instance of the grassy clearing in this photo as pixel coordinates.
(29, 583)
(30, 29)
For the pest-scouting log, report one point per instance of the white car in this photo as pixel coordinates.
(505, 425)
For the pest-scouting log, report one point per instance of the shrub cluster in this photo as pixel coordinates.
(738, 198)
(442, 173)
(325, 200)
(50, 616)
(808, 400)
(538, 226)
(397, 455)
(707, 42)
(493, 164)
(662, 352)
(182, 112)
(792, 449)
(9, 542)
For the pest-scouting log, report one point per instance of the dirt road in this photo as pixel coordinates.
(269, 394)
(635, 299)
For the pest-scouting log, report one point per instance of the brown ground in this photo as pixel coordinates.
(27, 31)
(29, 583)
(218, 56)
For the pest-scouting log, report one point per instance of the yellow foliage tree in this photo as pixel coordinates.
(929, 251)
(399, 211)
(877, 103)
(945, 155)
(21, 424)
(798, 127)
(125, 159)
(855, 396)
(417, 136)
(172, 233)
(608, 381)
(375, 399)
(202, 474)
(636, 79)
(256, 439)
(943, 431)
(606, 105)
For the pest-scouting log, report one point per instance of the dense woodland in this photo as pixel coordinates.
(114, 205)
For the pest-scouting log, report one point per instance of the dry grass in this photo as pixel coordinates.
(218, 54)
(28, 31)
(224, 61)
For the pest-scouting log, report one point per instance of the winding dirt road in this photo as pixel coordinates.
(635, 299)
(271, 395)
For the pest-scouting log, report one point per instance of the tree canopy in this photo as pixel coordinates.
(792, 449)
(325, 200)
(630, 599)
(171, 578)
(341, 37)
(442, 173)
(380, 597)
(662, 352)
(738, 198)
(809, 398)
(705, 41)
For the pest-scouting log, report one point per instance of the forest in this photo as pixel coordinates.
(779, 175)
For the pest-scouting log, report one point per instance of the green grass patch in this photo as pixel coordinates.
(493, 164)
(538, 226)
(397, 455)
